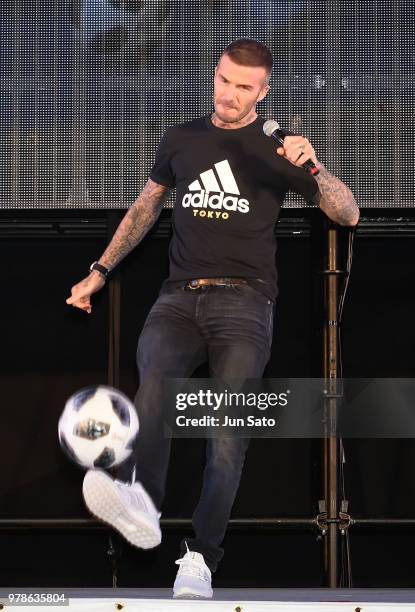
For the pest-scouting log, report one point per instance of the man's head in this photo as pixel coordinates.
(241, 79)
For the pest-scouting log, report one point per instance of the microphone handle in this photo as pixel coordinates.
(308, 165)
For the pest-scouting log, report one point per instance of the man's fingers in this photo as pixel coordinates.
(75, 298)
(78, 296)
(291, 154)
(295, 156)
(84, 307)
(302, 159)
(294, 141)
(83, 302)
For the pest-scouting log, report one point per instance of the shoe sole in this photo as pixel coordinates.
(103, 501)
(189, 595)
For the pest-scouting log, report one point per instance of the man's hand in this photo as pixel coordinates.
(297, 150)
(81, 293)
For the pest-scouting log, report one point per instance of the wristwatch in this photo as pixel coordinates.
(99, 268)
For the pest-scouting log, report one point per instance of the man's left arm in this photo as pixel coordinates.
(336, 199)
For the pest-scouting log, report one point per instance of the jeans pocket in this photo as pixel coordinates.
(247, 290)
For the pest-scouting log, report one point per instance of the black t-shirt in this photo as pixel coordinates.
(230, 186)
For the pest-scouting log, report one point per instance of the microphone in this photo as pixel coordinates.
(272, 129)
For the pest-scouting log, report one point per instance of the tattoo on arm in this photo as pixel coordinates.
(134, 226)
(336, 200)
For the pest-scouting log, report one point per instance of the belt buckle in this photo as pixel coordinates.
(194, 284)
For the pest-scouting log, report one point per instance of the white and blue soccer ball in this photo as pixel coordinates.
(98, 427)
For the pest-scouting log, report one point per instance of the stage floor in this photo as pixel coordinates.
(227, 600)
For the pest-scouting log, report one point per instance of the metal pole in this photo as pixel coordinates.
(268, 523)
(331, 446)
(114, 310)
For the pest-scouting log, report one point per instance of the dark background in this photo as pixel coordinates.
(50, 350)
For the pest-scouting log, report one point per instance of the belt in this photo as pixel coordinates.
(208, 282)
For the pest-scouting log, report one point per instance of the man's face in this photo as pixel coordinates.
(237, 89)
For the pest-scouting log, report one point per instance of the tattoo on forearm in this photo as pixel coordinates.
(337, 201)
(138, 220)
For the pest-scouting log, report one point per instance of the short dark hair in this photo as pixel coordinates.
(248, 52)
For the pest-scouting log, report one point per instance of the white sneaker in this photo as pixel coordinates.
(193, 579)
(127, 508)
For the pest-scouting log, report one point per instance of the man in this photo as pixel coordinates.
(217, 304)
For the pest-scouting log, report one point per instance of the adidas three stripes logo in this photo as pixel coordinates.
(217, 181)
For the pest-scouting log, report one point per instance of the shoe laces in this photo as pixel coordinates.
(193, 564)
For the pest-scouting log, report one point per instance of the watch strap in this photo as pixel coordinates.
(99, 268)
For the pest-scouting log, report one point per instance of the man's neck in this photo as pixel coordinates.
(226, 125)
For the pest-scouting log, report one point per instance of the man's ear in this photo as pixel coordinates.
(264, 92)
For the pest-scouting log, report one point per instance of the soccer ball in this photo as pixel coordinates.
(98, 427)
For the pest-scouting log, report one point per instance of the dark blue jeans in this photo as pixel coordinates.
(230, 327)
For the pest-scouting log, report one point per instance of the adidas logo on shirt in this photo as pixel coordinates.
(221, 183)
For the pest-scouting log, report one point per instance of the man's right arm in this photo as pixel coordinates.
(134, 226)
(138, 220)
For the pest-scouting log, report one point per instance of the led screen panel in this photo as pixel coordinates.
(89, 86)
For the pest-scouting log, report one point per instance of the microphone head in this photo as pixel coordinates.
(270, 126)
